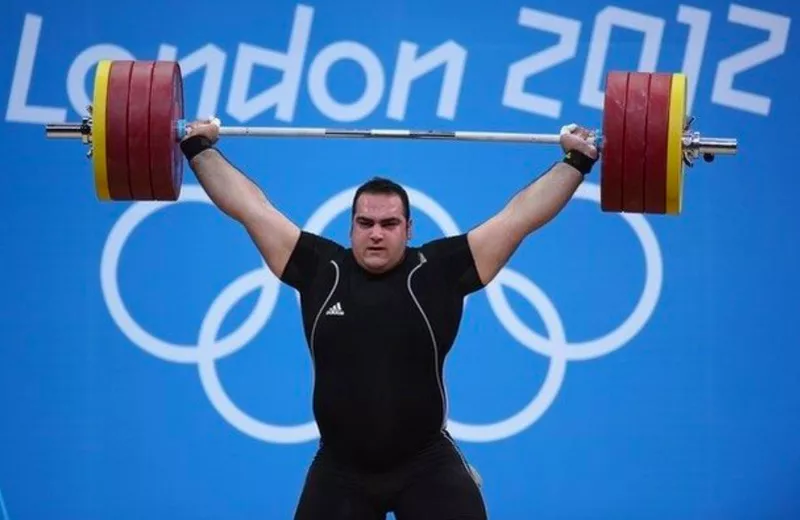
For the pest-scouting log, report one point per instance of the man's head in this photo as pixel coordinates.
(381, 225)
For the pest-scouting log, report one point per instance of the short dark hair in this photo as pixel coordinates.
(383, 186)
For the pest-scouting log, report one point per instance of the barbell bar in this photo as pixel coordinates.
(135, 123)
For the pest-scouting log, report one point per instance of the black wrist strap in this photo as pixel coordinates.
(195, 144)
(580, 161)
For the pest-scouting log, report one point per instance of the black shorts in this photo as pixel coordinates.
(436, 484)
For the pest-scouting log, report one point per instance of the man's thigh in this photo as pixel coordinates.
(447, 491)
(329, 494)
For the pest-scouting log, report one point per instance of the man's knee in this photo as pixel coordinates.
(448, 492)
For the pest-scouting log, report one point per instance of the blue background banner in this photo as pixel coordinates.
(620, 367)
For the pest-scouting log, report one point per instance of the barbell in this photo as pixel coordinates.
(135, 123)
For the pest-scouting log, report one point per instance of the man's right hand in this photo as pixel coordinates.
(208, 128)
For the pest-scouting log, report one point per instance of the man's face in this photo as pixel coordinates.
(379, 231)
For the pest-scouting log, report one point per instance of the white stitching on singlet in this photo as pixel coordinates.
(322, 307)
(422, 260)
(472, 472)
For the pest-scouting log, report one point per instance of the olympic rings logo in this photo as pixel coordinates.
(210, 347)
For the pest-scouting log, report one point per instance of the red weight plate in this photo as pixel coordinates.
(613, 163)
(139, 130)
(117, 130)
(166, 107)
(635, 142)
(655, 162)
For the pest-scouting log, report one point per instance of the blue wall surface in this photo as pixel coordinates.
(620, 367)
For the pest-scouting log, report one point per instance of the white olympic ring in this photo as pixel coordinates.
(210, 348)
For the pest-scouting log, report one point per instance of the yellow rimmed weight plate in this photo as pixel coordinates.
(99, 129)
(677, 119)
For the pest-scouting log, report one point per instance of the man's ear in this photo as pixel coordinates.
(409, 229)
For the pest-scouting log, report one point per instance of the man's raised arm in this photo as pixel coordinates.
(239, 197)
(493, 242)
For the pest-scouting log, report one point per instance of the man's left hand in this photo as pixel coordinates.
(574, 137)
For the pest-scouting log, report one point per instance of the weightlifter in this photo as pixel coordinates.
(380, 316)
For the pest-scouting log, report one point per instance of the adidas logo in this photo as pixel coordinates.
(335, 310)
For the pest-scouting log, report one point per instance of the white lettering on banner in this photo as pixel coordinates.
(591, 93)
(698, 21)
(568, 30)
(318, 76)
(212, 59)
(450, 55)
(284, 94)
(723, 92)
(18, 108)
(653, 28)
(411, 66)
